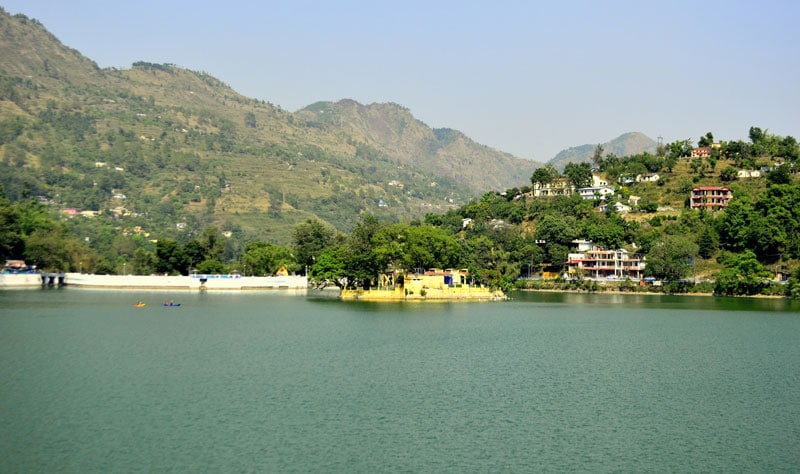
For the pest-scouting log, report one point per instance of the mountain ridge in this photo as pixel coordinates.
(630, 143)
(185, 139)
(394, 131)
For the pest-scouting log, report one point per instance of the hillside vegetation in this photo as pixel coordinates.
(185, 149)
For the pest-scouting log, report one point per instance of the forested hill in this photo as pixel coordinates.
(184, 148)
(627, 144)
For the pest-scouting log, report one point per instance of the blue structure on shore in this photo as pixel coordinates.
(53, 279)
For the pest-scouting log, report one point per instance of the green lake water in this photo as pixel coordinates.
(269, 382)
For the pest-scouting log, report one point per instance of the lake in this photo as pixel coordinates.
(269, 382)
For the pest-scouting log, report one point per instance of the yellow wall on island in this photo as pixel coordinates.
(446, 293)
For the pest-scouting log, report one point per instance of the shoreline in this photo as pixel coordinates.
(297, 284)
(655, 293)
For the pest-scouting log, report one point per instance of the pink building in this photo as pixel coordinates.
(710, 197)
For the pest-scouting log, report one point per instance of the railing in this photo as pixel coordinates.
(215, 276)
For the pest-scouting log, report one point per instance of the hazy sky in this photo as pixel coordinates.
(529, 78)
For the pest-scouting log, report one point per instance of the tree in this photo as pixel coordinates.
(652, 163)
(544, 175)
(776, 229)
(606, 231)
(389, 245)
(310, 238)
(11, 243)
(707, 242)
(756, 135)
(780, 175)
(670, 258)
(728, 173)
(743, 275)
(213, 243)
(556, 229)
(481, 253)
(578, 174)
(789, 149)
(32, 216)
(263, 258)
(670, 162)
(763, 142)
(597, 157)
(430, 247)
(735, 226)
(194, 252)
(737, 150)
(680, 148)
(360, 262)
(143, 263)
(171, 257)
(793, 286)
(706, 141)
(557, 254)
(48, 250)
(329, 267)
(210, 266)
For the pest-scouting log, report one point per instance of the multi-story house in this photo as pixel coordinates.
(597, 263)
(562, 187)
(710, 197)
(557, 187)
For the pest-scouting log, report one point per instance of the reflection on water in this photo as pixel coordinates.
(678, 302)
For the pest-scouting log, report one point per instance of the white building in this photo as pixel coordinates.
(596, 263)
(596, 192)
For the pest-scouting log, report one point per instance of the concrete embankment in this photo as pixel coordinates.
(21, 280)
(158, 282)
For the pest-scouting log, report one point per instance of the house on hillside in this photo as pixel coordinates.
(710, 197)
(744, 174)
(701, 152)
(617, 207)
(594, 193)
(557, 187)
(562, 187)
(647, 178)
(597, 263)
